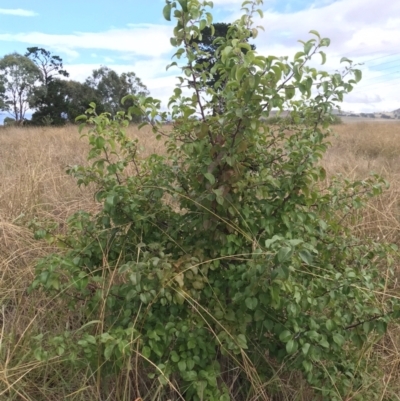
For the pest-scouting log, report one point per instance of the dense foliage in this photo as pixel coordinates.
(208, 44)
(231, 252)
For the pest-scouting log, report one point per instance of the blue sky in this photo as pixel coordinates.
(131, 35)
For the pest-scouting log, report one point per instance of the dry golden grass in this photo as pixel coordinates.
(357, 150)
(33, 184)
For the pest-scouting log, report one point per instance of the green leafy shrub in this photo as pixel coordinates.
(227, 253)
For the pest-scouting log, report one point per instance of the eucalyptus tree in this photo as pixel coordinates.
(111, 88)
(49, 98)
(19, 77)
(50, 65)
(78, 97)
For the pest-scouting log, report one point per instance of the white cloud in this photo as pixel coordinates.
(144, 69)
(19, 12)
(72, 54)
(140, 39)
(356, 27)
(363, 98)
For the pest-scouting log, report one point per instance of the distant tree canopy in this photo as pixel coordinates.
(111, 88)
(9, 122)
(49, 99)
(49, 64)
(18, 79)
(51, 104)
(78, 97)
(38, 81)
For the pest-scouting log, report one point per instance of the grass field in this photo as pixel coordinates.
(34, 185)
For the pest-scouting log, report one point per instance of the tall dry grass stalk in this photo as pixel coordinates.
(33, 184)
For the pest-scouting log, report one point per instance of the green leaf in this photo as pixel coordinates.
(338, 339)
(191, 375)
(325, 42)
(308, 46)
(316, 33)
(299, 55)
(313, 335)
(242, 342)
(171, 65)
(175, 357)
(330, 325)
(259, 315)
(291, 347)
(345, 60)
(183, 4)
(167, 12)
(210, 178)
(202, 24)
(323, 55)
(285, 336)
(100, 142)
(278, 72)
(381, 327)
(190, 364)
(182, 366)
(357, 75)
(367, 327)
(240, 72)
(251, 302)
(284, 253)
(109, 350)
(305, 348)
(307, 365)
(220, 200)
(306, 257)
(290, 92)
(39, 354)
(146, 351)
(111, 200)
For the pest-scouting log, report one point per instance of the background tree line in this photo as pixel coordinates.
(38, 81)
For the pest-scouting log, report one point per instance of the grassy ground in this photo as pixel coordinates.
(33, 185)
